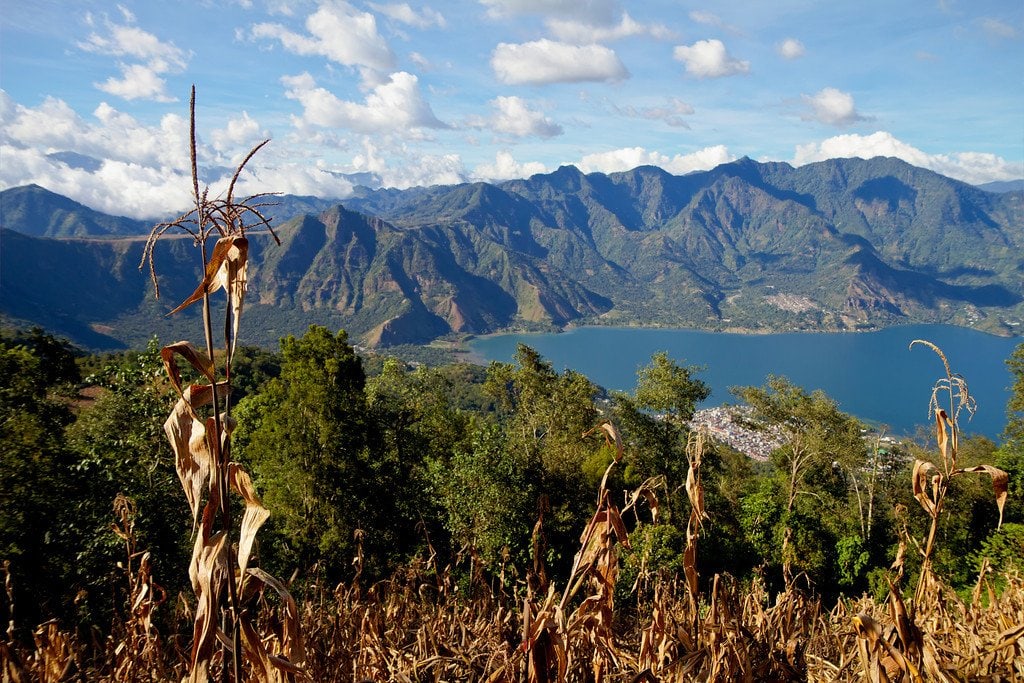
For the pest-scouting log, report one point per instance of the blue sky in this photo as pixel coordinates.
(94, 99)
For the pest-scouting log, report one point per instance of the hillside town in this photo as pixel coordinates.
(726, 424)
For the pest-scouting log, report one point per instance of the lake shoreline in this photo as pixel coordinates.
(872, 374)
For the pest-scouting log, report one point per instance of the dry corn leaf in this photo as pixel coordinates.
(193, 457)
(256, 653)
(611, 435)
(253, 517)
(1000, 485)
(920, 483)
(196, 358)
(210, 567)
(292, 636)
(228, 258)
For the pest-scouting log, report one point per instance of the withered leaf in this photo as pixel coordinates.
(196, 358)
(1000, 485)
(225, 268)
(193, 457)
(255, 514)
(920, 484)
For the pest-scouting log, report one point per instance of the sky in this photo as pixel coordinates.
(94, 96)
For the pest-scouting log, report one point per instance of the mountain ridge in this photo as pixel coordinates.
(844, 244)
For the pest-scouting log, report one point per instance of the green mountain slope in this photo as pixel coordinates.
(841, 244)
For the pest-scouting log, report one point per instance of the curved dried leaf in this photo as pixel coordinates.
(210, 568)
(255, 514)
(196, 358)
(942, 422)
(292, 636)
(1000, 485)
(222, 270)
(611, 435)
(193, 457)
(920, 483)
(256, 653)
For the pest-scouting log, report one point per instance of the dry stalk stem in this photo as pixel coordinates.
(220, 573)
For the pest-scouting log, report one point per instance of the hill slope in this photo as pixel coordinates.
(841, 244)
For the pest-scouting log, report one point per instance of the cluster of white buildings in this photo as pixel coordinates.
(724, 424)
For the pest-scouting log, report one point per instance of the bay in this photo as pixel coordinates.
(873, 375)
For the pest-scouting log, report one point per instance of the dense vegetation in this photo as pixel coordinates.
(477, 479)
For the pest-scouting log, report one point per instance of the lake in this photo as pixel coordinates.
(873, 375)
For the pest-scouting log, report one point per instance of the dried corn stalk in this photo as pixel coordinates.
(199, 430)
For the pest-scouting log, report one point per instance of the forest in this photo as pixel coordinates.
(409, 505)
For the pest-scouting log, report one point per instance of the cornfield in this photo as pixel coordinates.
(418, 626)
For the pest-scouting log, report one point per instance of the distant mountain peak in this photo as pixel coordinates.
(863, 242)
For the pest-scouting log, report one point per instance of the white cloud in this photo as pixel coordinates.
(139, 170)
(242, 132)
(133, 42)
(833, 107)
(671, 114)
(709, 59)
(630, 157)
(393, 106)
(514, 117)
(791, 48)
(338, 32)
(970, 167)
(292, 178)
(419, 60)
(505, 167)
(138, 80)
(584, 33)
(423, 170)
(547, 61)
(405, 14)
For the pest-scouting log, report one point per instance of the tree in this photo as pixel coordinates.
(34, 486)
(1013, 435)
(305, 434)
(120, 448)
(544, 415)
(655, 421)
(821, 445)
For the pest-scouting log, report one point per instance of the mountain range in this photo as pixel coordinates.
(844, 244)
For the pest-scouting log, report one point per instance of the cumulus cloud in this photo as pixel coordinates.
(405, 14)
(630, 157)
(833, 107)
(143, 58)
(791, 48)
(133, 169)
(671, 113)
(393, 106)
(338, 32)
(547, 61)
(239, 132)
(506, 167)
(513, 116)
(709, 59)
(970, 167)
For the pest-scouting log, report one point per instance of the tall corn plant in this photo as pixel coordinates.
(199, 430)
(915, 653)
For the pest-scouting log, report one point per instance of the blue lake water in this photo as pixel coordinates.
(873, 375)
